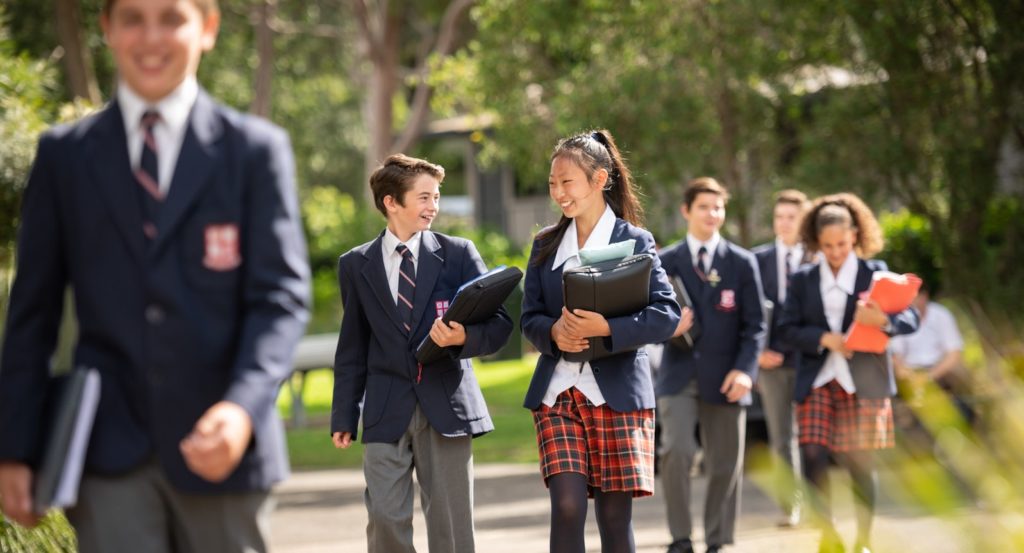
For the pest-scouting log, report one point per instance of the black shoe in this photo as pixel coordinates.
(680, 546)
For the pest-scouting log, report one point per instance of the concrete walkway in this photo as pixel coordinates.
(323, 511)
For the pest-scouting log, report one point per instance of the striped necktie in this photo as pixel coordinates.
(148, 175)
(702, 263)
(406, 287)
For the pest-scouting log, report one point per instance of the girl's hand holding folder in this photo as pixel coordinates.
(565, 339)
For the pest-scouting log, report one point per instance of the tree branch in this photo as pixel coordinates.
(421, 97)
(373, 41)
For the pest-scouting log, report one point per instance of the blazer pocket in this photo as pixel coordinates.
(464, 395)
(378, 388)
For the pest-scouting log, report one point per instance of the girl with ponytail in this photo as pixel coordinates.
(594, 420)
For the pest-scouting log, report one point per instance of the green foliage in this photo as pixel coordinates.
(910, 247)
(53, 535)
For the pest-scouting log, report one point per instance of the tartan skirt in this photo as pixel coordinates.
(614, 450)
(840, 421)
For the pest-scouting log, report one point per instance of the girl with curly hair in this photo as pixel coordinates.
(843, 397)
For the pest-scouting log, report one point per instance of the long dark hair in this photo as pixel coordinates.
(592, 151)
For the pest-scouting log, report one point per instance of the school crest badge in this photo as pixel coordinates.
(727, 300)
(441, 306)
(221, 249)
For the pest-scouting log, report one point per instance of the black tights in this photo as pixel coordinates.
(860, 464)
(569, 516)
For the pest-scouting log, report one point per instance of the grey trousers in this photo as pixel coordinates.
(444, 469)
(776, 387)
(140, 511)
(722, 433)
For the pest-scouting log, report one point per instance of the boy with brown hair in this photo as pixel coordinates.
(175, 222)
(394, 290)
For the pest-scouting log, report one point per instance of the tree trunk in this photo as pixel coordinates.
(261, 94)
(77, 58)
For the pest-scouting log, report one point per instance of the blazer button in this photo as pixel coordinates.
(155, 314)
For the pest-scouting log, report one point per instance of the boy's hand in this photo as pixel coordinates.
(16, 493)
(736, 385)
(565, 340)
(451, 334)
(685, 322)
(586, 324)
(215, 446)
(770, 359)
(342, 439)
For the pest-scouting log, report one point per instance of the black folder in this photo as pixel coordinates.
(688, 339)
(612, 288)
(474, 302)
(71, 405)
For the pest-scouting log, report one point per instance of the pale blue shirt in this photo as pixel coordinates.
(573, 373)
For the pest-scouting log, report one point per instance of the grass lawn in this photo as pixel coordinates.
(504, 385)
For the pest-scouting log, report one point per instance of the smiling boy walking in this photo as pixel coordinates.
(175, 222)
(394, 290)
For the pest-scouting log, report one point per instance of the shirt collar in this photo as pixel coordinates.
(782, 248)
(694, 244)
(845, 280)
(390, 242)
(601, 236)
(174, 108)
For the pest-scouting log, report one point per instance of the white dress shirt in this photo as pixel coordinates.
(169, 132)
(393, 259)
(796, 254)
(835, 291)
(935, 337)
(711, 246)
(571, 373)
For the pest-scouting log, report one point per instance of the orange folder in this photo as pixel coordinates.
(893, 292)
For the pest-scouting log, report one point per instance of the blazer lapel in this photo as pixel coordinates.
(694, 286)
(862, 283)
(427, 270)
(815, 305)
(770, 276)
(200, 152)
(377, 279)
(113, 176)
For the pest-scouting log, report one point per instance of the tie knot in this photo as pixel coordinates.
(150, 118)
(403, 250)
(702, 252)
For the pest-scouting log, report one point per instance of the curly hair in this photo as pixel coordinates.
(843, 209)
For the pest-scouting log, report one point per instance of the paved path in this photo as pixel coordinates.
(323, 511)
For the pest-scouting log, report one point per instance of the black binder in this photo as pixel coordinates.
(688, 339)
(71, 405)
(613, 289)
(474, 302)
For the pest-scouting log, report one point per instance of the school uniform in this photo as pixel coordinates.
(727, 301)
(776, 262)
(597, 417)
(190, 288)
(414, 416)
(843, 404)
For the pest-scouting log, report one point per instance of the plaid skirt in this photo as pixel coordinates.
(614, 450)
(844, 422)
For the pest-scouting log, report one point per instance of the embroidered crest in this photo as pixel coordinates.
(441, 306)
(221, 251)
(714, 278)
(727, 300)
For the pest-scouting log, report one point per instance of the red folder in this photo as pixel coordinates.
(893, 292)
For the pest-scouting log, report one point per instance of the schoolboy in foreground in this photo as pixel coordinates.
(175, 222)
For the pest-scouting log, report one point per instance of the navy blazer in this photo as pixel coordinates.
(767, 262)
(624, 377)
(803, 321)
(169, 335)
(732, 328)
(376, 357)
